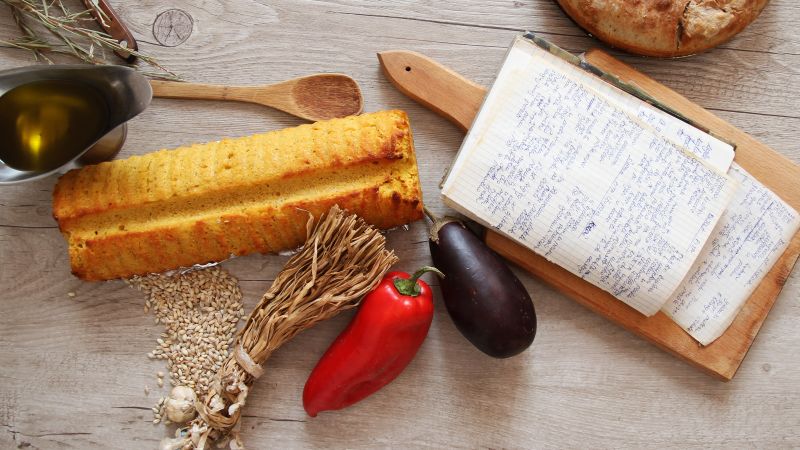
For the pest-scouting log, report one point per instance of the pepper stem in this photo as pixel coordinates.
(409, 286)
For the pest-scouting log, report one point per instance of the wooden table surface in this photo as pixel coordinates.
(73, 369)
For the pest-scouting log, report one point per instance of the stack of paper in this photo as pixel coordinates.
(622, 194)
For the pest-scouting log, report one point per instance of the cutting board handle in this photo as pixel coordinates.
(433, 85)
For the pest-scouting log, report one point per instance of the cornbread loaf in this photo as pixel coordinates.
(206, 202)
(664, 28)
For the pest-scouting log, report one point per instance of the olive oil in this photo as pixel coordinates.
(44, 124)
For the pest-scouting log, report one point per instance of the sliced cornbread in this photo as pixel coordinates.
(206, 202)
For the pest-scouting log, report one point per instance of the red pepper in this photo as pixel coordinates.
(376, 346)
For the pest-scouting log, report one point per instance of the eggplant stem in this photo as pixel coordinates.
(428, 213)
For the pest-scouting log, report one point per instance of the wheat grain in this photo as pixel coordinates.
(199, 310)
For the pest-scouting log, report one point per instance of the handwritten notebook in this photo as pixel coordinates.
(622, 194)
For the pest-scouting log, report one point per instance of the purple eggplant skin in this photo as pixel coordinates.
(487, 302)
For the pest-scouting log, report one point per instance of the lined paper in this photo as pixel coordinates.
(568, 174)
(750, 237)
(715, 152)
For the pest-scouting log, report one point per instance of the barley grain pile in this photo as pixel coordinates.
(200, 310)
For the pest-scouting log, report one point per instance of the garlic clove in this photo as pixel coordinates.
(179, 407)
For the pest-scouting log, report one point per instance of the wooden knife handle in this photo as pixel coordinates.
(111, 23)
(433, 85)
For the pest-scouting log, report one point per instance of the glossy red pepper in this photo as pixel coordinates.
(376, 346)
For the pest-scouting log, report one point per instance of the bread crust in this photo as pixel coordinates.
(206, 202)
(663, 28)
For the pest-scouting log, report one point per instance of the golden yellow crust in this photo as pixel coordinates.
(206, 202)
(664, 28)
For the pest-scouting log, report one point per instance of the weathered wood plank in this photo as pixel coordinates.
(73, 370)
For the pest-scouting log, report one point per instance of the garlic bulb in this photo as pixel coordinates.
(179, 406)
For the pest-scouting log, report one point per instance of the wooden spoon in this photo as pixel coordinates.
(314, 97)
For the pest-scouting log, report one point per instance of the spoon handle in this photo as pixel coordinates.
(312, 97)
(179, 89)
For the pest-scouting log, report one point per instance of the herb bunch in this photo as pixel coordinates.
(71, 33)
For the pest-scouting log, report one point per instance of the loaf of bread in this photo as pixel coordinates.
(206, 202)
(663, 28)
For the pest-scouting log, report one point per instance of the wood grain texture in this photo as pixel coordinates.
(447, 93)
(73, 369)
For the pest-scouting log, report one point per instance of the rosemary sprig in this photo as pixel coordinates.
(72, 36)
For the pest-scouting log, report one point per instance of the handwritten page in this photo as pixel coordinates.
(715, 152)
(751, 235)
(563, 171)
(749, 238)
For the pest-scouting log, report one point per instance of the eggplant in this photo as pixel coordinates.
(487, 302)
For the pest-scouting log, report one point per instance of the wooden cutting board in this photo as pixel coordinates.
(459, 99)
